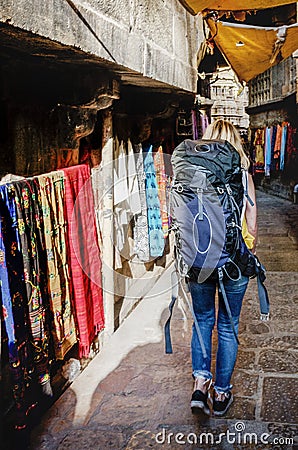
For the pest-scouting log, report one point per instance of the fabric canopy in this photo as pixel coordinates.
(251, 50)
(195, 6)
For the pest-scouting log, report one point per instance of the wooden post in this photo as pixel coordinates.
(108, 224)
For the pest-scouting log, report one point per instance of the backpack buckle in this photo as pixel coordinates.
(229, 190)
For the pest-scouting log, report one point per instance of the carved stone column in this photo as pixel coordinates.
(72, 123)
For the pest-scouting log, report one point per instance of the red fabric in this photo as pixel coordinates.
(85, 263)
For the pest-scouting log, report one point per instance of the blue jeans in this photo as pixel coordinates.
(203, 298)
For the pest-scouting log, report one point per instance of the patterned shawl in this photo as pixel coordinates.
(30, 229)
(156, 237)
(59, 283)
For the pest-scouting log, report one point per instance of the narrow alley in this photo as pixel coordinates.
(134, 396)
(95, 99)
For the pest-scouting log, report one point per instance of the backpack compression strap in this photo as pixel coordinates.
(263, 298)
(225, 298)
(262, 291)
(176, 282)
(167, 330)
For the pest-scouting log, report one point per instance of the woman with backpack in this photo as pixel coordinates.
(203, 298)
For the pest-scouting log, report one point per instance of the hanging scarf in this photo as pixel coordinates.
(204, 122)
(133, 186)
(98, 195)
(121, 196)
(259, 150)
(283, 145)
(273, 141)
(14, 308)
(156, 239)
(140, 234)
(195, 133)
(267, 151)
(55, 228)
(84, 255)
(291, 150)
(30, 229)
(161, 184)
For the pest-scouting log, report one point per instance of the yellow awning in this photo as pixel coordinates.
(195, 6)
(251, 50)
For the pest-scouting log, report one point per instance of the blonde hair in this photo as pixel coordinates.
(224, 130)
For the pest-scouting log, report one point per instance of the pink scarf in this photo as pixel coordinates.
(84, 255)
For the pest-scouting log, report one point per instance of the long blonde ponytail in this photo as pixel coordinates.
(224, 130)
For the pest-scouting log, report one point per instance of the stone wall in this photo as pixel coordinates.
(270, 117)
(155, 38)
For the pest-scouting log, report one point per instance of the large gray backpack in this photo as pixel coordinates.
(207, 197)
(207, 200)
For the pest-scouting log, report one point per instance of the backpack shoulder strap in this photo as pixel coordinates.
(245, 186)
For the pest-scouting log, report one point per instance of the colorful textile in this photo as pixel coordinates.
(121, 198)
(14, 306)
(292, 152)
(140, 234)
(273, 131)
(195, 133)
(59, 283)
(204, 122)
(98, 195)
(7, 313)
(156, 238)
(120, 176)
(161, 184)
(133, 185)
(30, 229)
(84, 256)
(277, 143)
(267, 151)
(259, 150)
(168, 196)
(259, 138)
(283, 145)
(277, 146)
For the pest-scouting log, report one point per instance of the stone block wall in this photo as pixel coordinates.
(158, 39)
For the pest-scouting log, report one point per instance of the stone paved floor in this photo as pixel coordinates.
(278, 233)
(134, 396)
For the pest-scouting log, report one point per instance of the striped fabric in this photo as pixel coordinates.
(59, 283)
(161, 185)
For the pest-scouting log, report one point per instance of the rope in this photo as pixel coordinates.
(82, 18)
